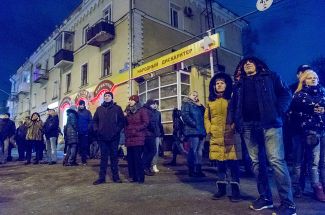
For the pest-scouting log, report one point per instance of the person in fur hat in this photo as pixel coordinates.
(223, 147)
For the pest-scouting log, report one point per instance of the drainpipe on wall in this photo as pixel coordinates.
(130, 46)
(30, 89)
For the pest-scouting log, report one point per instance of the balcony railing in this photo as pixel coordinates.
(40, 76)
(100, 33)
(63, 58)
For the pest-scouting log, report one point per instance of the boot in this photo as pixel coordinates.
(297, 193)
(319, 193)
(235, 193)
(198, 171)
(222, 190)
(116, 179)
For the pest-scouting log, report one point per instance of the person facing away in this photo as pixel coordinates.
(71, 137)
(223, 147)
(136, 131)
(108, 122)
(51, 131)
(34, 137)
(84, 127)
(309, 104)
(9, 142)
(21, 140)
(193, 118)
(260, 100)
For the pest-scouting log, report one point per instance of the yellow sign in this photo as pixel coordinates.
(205, 45)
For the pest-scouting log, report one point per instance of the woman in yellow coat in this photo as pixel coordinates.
(223, 147)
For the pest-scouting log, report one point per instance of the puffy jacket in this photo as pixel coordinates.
(71, 128)
(193, 118)
(35, 130)
(108, 121)
(84, 121)
(302, 107)
(273, 100)
(51, 126)
(136, 128)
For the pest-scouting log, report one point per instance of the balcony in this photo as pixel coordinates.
(40, 76)
(23, 88)
(64, 49)
(63, 58)
(100, 33)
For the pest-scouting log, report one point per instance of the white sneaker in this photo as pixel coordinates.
(154, 168)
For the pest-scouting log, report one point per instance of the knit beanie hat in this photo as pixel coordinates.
(110, 93)
(134, 98)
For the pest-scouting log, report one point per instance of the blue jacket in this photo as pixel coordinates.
(273, 100)
(193, 118)
(51, 126)
(84, 121)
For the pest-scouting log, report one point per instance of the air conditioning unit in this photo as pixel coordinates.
(188, 12)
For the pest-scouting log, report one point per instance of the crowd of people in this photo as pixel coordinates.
(244, 116)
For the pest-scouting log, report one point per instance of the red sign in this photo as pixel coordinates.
(102, 87)
(66, 101)
(82, 95)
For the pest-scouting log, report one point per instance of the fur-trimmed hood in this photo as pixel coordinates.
(212, 86)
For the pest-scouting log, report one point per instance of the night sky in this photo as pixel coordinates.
(285, 36)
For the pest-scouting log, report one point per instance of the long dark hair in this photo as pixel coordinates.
(260, 66)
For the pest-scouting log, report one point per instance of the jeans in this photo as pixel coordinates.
(71, 153)
(223, 166)
(316, 156)
(155, 158)
(194, 156)
(271, 140)
(299, 161)
(84, 147)
(51, 144)
(135, 164)
(38, 149)
(5, 148)
(108, 148)
(149, 151)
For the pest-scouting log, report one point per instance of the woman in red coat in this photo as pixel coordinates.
(135, 134)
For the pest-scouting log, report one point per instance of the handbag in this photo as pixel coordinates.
(312, 138)
(61, 139)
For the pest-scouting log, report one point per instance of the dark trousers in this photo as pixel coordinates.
(38, 144)
(149, 151)
(108, 148)
(84, 147)
(21, 144)
(135, 164)
(71, 153)
(223, 166)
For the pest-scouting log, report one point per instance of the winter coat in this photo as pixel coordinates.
(273, 100)
(21, 132)
(136, 128)
(155, 127)
(71, 128)
(193, 118)
(51, 126)
(84, 121)
(303, 105)
(108, 122)
(178, 125)
(222, 142)
(34, 130)
(5, 128)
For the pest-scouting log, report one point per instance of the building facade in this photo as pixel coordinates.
(96, 47)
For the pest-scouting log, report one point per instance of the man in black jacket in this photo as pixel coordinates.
(51, 131)
(108, 122)
(259, 101)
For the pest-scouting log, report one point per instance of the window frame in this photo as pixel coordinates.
(68, 82)
(108, 6)
(82, 75)
(109, 73)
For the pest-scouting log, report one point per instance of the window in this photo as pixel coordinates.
(84, 34)
(106, 64)
(68, 83)
(55, 89)
(107, 13)
(174, 15)
(84, 74)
